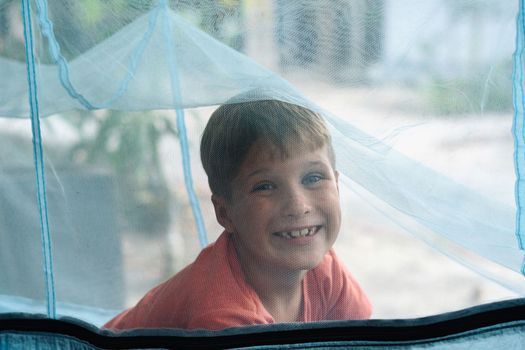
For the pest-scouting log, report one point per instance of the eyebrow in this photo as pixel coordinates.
(266, 170)
(315, 162)
(258, 171)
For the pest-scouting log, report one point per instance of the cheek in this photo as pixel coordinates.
(337, 217)
(251, 212)
(333, 213)
(329, 201)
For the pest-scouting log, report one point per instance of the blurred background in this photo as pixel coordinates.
(431, 78)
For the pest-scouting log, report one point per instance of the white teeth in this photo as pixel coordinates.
(295, 234)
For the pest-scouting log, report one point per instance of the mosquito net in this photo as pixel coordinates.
(103, 105)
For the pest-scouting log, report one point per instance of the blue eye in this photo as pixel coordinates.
(265, 186)
(311, 179)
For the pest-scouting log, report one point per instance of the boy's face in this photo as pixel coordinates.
(284, 212)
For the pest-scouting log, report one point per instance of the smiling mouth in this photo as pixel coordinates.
(305, 232)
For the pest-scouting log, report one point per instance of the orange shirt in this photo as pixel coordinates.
(211, 293)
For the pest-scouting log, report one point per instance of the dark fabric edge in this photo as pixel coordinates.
(498, 315)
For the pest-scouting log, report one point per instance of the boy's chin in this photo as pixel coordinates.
(305, 263)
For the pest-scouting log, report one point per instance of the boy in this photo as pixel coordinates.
(271, 170)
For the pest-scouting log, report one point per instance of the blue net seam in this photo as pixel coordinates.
(518, 122)
(177, 98)
(54, 51)
(39, 162)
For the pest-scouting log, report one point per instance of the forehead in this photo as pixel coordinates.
(264, 154)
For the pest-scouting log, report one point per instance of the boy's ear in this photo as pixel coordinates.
(221, 206)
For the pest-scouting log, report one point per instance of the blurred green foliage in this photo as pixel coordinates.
(128, 144)
(488, 90)
(11, 44)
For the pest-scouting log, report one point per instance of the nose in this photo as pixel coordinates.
(296, 203)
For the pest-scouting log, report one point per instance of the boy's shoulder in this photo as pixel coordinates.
(205, 294)
(330, 277)
(333, 293)
(214, 289)
(209, 269)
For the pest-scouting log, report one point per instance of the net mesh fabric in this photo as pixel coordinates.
(118, 85)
